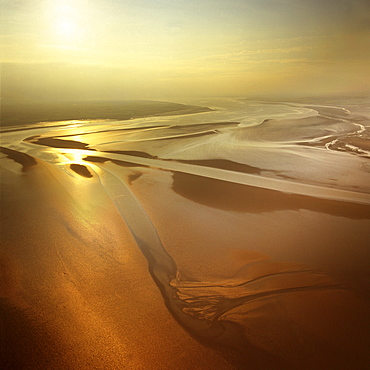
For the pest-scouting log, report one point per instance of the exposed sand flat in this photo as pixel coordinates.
(178, 243)
(76, 291)
(226, 271)
(25, 160)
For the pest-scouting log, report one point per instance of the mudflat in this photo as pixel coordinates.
(171, 242)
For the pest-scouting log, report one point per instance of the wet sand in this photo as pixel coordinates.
(75, 290)
(240, 198)
(25, 160)
(236, 247)
(296, 281)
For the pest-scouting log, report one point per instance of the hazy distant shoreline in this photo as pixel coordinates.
(16, 114)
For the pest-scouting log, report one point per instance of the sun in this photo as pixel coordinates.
(67, 22)
(66, 27)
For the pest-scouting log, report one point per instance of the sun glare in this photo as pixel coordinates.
(66, 27)
(68, 22)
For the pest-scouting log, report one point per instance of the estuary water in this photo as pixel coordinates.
(252, 218)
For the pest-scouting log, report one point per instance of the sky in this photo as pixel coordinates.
(168, 49)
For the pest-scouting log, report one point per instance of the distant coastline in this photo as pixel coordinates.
(16, 114)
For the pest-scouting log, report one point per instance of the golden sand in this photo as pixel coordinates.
(240, 246)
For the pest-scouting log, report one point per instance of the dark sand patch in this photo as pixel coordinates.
(59, 143)
(125, 130)
(185, 136)
(81, 170)
(242, 198)
(23, 159)
(224, 164)
(95, 159)
(134, 153)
